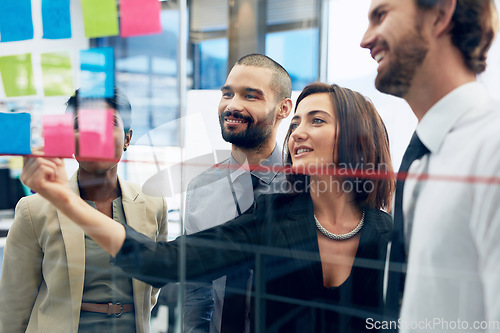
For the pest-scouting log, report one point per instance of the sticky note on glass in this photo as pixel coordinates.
(139, 17)
(58, 134)
(57, 74)
(100, 18)
(56, 19)
(95, 128)
(16, 22)
(98, 72)
(15, 133)
(17, 75)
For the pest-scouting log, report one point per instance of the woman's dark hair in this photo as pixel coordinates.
(361, 144)
(118, 102)
(473, 27)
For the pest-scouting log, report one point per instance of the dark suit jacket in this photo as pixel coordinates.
(278, 240)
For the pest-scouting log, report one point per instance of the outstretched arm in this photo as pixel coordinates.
(47, 176)
(209, 254)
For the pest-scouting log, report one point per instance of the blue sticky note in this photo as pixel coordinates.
(97, 72)
(16, 22)
(56, 19)
(15, 133)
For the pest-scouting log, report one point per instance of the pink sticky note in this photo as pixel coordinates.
(139, 17)
(58, 133)
(96, 133)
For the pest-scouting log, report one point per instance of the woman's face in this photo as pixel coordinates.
(120, 139)
(312, 138)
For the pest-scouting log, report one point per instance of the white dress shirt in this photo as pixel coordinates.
(453, 217)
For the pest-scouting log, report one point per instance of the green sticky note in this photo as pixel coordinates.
(100, 18)
(57, 74)
(17, 75)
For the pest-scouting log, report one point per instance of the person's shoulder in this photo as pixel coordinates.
(281, 201)
(379, 220)
(483, 133)
(35, 203)
(209, 175)
(133, 190)
(35, 208)
(490, 120)
(278, 197)
(483, 120)
(125, 184)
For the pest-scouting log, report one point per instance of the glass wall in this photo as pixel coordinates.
(146, 68)
(290, 35)
(177, 137)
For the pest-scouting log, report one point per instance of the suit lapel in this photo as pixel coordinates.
(74, 244)
(134, 207)
(374, 235)
(301, 235)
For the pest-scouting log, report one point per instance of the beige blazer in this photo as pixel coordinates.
(43, 270)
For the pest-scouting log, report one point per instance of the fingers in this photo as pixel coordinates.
(38, 170)
(37, 151)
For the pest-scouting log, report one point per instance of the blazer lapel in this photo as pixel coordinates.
(374, 236)
(74, 244)
(301, 235)
(134, 207)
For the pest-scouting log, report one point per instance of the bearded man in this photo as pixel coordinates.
(255, 98)
(446, 216)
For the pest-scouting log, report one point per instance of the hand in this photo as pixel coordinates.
(46, 176)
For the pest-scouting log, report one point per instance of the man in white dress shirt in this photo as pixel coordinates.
(429, 53)
(255, 98)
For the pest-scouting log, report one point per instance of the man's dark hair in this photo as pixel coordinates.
(474, 26)
(282, 83)
(118, 102)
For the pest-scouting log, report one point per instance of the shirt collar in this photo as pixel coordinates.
(266, 171)
(442, 116)
(118, 213)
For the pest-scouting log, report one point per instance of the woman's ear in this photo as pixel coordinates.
(128, 138)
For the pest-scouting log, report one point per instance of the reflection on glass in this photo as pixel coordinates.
(297, 51)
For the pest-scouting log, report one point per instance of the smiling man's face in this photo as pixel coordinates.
(396, 42)
(247, 109)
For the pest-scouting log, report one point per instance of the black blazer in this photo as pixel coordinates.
(278, 240)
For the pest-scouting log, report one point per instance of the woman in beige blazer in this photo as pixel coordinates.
(54, 277)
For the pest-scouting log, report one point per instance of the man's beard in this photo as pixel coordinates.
(406, 59)
(254, 136)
